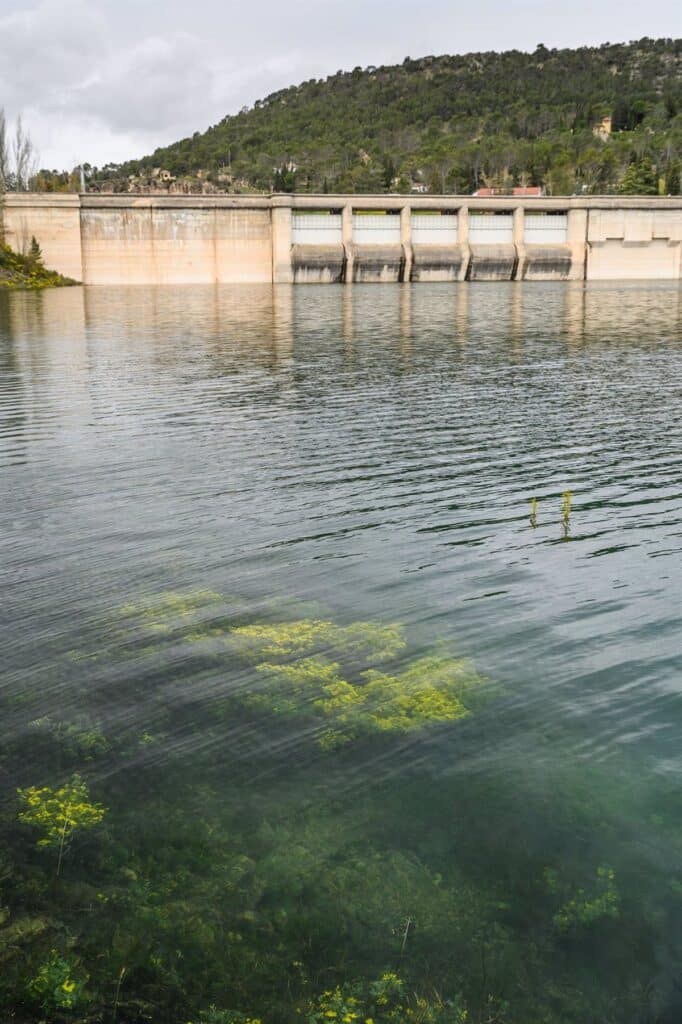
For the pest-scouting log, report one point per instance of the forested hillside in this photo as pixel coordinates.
(453, 123)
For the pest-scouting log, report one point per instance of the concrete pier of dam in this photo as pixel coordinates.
(158, 239)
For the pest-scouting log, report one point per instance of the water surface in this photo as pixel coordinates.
(178, 464)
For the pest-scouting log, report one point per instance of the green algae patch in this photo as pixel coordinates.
(283, 639)
(19, 272)
(78, 740)
(165, 613)
(344, 682)
(145, 625)
(342, 677)
(435, 689)
(368, 640)
(584, 906)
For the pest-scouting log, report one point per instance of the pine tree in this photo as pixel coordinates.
(35, 253)
(639, 179)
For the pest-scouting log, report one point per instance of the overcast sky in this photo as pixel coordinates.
(104, 80)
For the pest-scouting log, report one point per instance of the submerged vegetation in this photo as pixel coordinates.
(327, 680)
(58, 813)
(222, 813)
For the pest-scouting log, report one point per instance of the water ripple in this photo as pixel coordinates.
(373, 451)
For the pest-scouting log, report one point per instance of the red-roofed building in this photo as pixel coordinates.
(527, 191)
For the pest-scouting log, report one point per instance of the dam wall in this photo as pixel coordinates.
(152, 239)
(54, 220)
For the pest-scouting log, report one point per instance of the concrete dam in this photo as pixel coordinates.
(159, 239)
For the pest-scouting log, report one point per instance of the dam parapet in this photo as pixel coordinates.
(130, 239)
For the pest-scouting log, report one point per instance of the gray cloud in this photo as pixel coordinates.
(109, 79)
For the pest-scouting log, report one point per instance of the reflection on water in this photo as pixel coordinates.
(357, 612)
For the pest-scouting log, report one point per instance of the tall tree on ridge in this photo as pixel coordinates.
(24, 157)
(4, 152)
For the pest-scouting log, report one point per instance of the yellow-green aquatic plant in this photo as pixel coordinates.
(360, 640)
(59, 812)
(165, 612)
(80, 738)
(314, 668)
(533, 512)
(55, 987)
(145, 624)
(566, 502)
(345, 679)
(584, 908)
(433, 689)
(384, 1001)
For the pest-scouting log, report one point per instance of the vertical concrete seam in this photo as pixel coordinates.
(215, 245)
(273, 247)
(80, 239)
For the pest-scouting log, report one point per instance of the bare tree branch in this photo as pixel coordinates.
(4, 153)
(25, 157)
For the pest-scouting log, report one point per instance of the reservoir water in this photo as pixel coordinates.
(342, 654)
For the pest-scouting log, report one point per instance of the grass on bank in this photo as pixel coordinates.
(28, 271)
